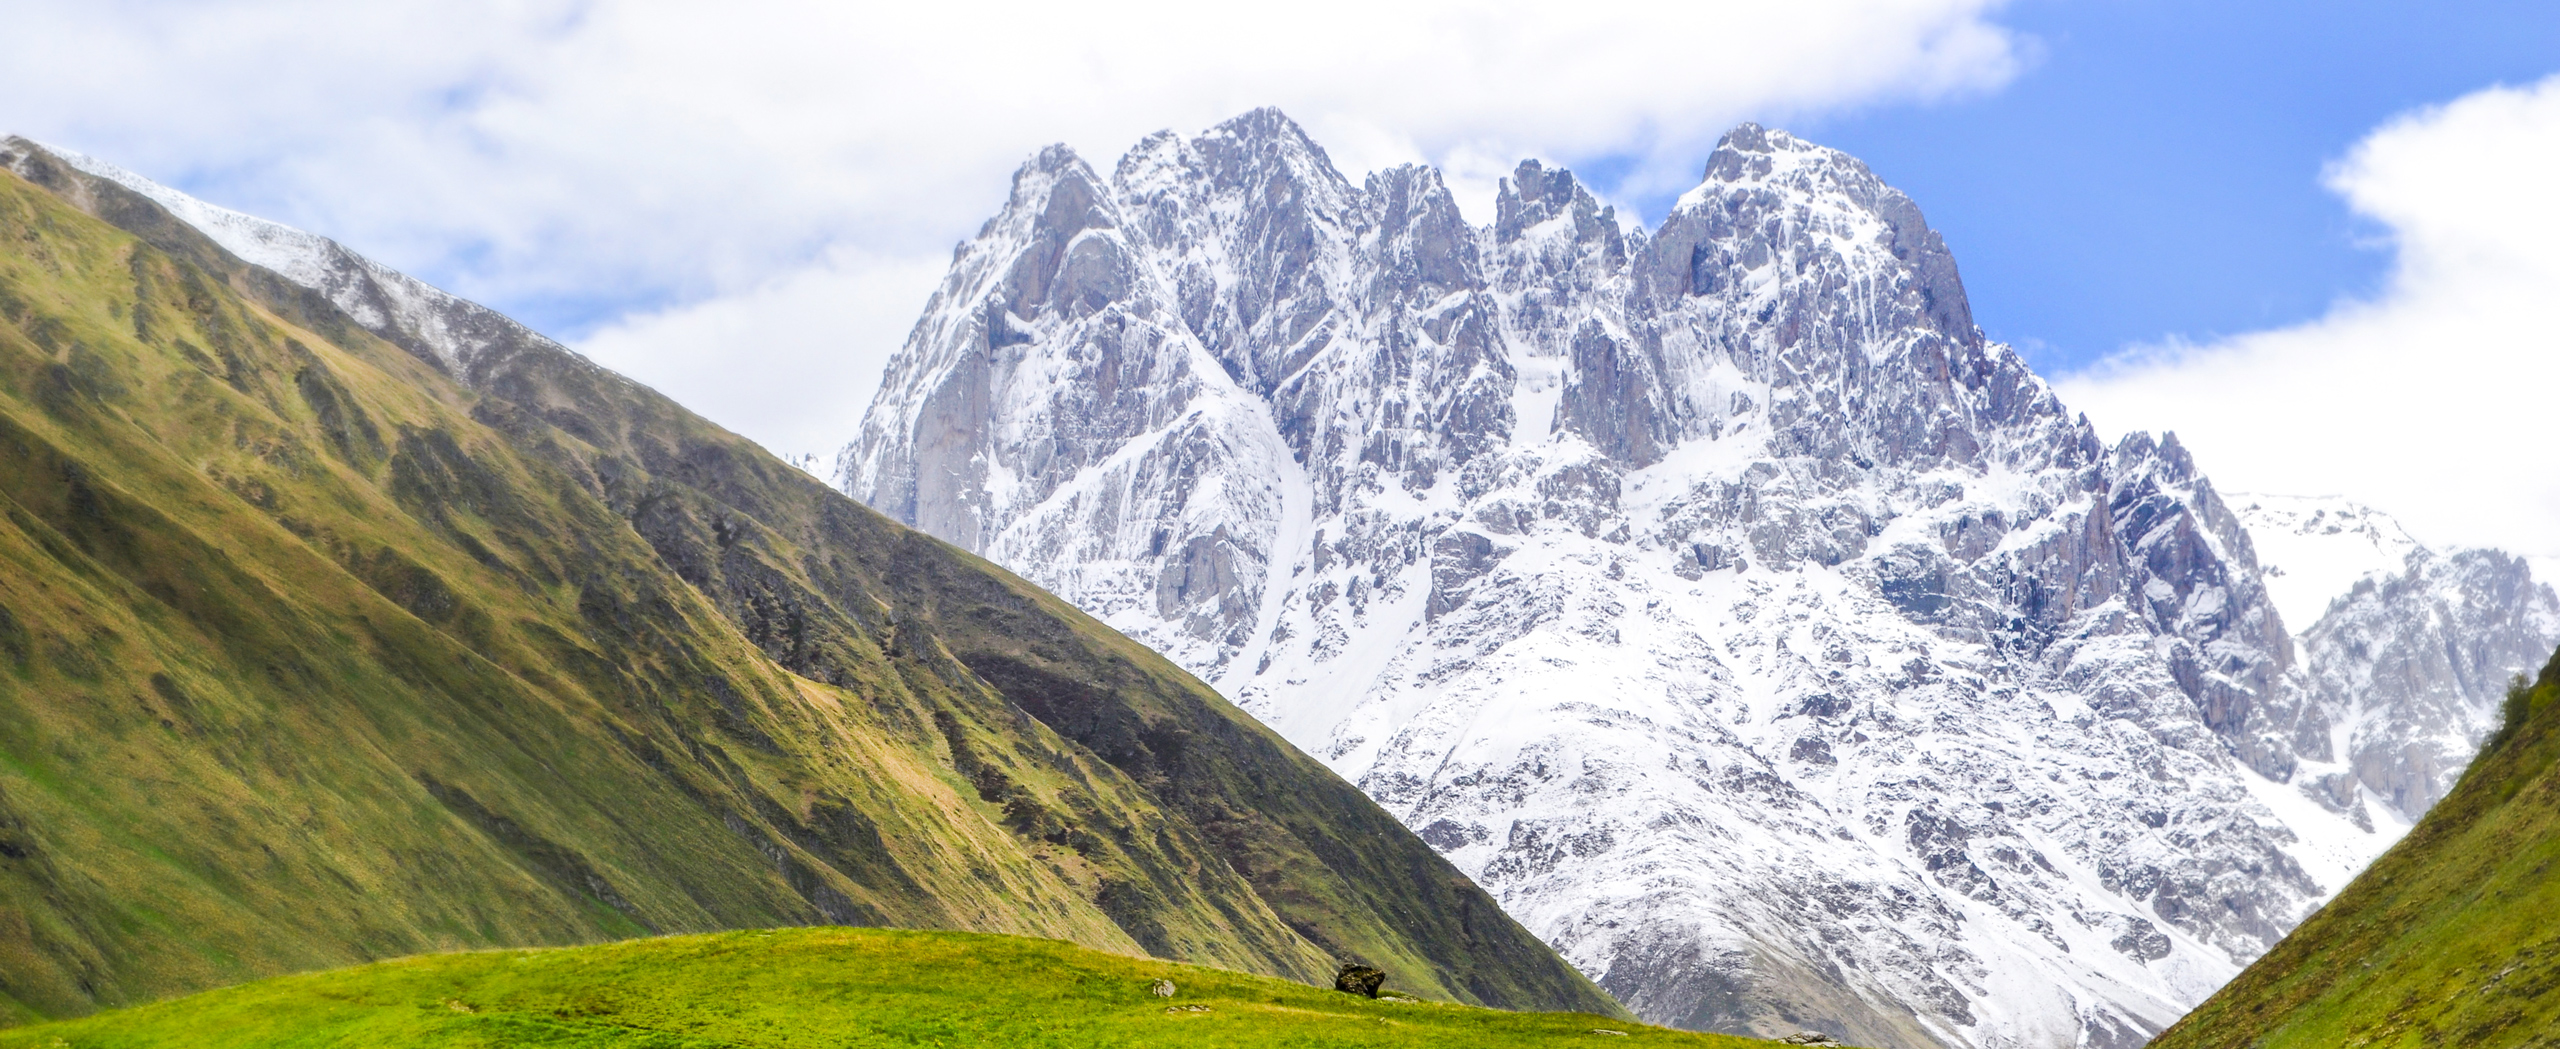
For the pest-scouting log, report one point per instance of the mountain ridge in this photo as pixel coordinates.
(440, 649)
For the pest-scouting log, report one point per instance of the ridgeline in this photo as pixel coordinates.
(314, 653)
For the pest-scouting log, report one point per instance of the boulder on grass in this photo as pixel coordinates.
(1359, 979)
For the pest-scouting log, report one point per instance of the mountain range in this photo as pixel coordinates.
(1768, 640)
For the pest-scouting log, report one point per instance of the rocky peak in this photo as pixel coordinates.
(1422, 247)
(1266, 149)
(1790, 191)
(1254, 225)
(1534, 195)
(2196, 577)
(1059, 270)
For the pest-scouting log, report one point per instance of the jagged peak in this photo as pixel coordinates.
(1535, 193)
(2139, 452)
(1419, 225)
(1752, 153)
(1264, 124)
(1054, 190)
(1749, 137)
(1239, 148)
(1054, 161)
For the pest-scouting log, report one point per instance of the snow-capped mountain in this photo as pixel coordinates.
(1773, 644)
(2409, 648)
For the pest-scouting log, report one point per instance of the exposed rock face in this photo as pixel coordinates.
(2408, 665)
(1763, 637)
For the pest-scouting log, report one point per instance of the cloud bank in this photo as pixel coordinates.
(2433, 400)
(721, 192)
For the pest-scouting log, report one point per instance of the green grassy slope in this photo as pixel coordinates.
(2451, 938)
(819, 987)
(312, 654)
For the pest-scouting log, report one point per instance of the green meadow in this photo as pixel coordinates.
(832, 987)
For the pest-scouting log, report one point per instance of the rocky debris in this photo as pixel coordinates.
(1192, 1008)
(1812, 1038)
(1359, 979)
(1769, 641)
(1162, 989)
(1604, 1030)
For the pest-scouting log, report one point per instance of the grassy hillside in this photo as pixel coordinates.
(825, 987)
(2451, 938)
(311, 654)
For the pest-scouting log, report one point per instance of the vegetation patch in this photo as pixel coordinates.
(830, 987)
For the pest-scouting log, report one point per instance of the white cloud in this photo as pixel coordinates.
(2432, 400)
(752, 360)
(622, 155)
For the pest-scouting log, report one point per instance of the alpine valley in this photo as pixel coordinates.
(1765, 639)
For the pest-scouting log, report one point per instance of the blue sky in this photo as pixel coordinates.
(2156, 170)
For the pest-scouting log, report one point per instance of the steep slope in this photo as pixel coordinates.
(2407, 648)
(836, 988)
(2451, 938)
(1770, 642)
(317, 647)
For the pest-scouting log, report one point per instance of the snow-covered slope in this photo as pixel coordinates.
(1778, 648)
(2313, 549)
(2409, 648)
(463, 337)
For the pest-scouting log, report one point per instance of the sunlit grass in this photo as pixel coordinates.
(833, 987)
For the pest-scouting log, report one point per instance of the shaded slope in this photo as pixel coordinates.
(2452, 937)
(826, 987)
(312, 653)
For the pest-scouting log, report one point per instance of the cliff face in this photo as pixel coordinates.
(1767, 640)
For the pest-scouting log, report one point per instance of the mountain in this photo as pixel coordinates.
(2409, 649)
(2452, 937)
(1769, 641)
(343, 619)
(837, 987)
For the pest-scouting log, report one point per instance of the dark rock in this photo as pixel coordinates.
(1359, 979)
